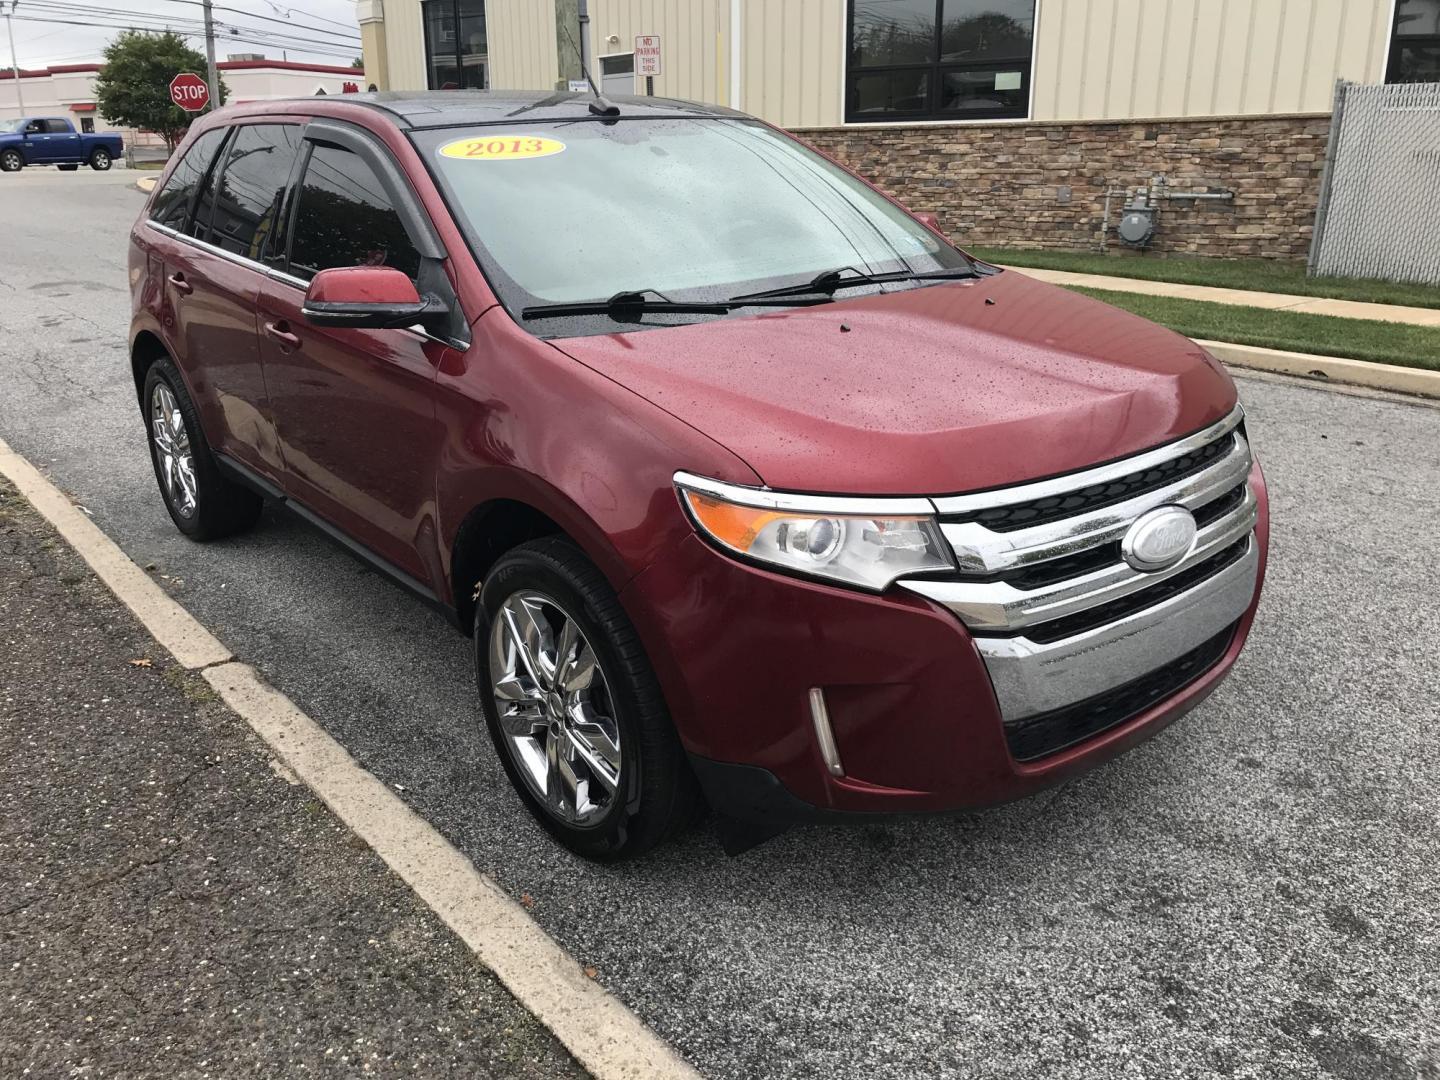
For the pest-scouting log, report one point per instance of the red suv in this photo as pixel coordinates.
(751, 487)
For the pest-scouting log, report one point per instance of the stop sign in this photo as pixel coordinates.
(189, 91)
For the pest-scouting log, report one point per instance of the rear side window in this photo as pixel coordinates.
(59, 127)
(344, 218)
(251, 189)
(173, 203)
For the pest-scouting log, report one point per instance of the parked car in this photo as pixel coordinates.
(751, 487)
(53, 140)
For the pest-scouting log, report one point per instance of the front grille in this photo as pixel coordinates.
(1082, 500)
(1062, 622)
(1089, 619)
(1049, 733)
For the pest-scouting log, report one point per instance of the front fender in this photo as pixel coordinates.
(524, 421)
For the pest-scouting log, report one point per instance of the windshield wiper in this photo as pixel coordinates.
(629, 303)
(826, 283)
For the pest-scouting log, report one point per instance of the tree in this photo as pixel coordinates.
(133, 89)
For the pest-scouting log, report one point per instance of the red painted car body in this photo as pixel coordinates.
(431, 456)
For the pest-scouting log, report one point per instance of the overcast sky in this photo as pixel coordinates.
(308, 28)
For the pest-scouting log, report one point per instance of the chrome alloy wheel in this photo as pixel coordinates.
(172, 450)
(555, 707)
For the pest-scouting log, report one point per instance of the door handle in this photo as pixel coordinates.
(280, 332)
(181, 285)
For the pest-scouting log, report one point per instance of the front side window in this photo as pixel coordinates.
(1415, 46)
(696, 209)
(172, 204)
(939, 59)
(456, 55)
(345, 218)
(251, 188)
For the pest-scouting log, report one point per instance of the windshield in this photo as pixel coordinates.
(696, 209)
(10, 126)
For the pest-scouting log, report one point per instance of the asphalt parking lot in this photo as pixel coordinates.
(1253, 893)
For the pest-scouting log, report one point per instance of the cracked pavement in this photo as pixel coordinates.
(171, 903)
(1253, 893)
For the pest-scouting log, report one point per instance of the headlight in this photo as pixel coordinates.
(865, 542)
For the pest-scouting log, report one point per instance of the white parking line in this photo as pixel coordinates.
(596, 1027)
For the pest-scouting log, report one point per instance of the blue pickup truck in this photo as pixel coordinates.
(53, 140)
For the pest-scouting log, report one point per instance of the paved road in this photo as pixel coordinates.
(1253, 893)
(169, 903)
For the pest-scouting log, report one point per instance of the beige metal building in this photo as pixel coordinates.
(1012, 119)
(796, 62)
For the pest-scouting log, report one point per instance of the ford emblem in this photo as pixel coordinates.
(1159, 539)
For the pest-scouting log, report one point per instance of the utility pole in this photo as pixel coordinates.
(210, 76)
(14, 64)
(585, 59)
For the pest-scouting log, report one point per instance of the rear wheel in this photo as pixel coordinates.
(573, 707)
(100, 159)
(11, 161)
(202, 503)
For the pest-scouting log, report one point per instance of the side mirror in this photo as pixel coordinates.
(931, 222)
(367, 297)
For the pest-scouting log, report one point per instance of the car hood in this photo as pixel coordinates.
(948, 388)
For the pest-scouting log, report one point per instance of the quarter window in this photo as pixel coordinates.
(344, 218)
(456, 53)
(939, 59)
(172, 204)
(248, 210)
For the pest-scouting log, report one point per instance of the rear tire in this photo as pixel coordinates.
(100, 159)
(585, 738)
(11, 161)
(68, 168)
(203, 504)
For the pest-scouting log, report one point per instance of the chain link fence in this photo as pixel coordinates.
(1379, 214)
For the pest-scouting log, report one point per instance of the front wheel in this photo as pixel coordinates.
(11, 161)
(100, 159)
(573, 707)
(202, 503)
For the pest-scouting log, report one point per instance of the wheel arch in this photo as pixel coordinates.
(145, 349)
(485, 534)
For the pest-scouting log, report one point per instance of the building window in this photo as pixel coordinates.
(1415, 45)
(939, 59)
(455, 49)
(87, 125)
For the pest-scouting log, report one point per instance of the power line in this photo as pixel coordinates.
(70, 8)
(198, 32)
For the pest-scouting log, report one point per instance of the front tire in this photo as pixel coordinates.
(203, 504)
(11, 161)
(100, 159)
(573, 707)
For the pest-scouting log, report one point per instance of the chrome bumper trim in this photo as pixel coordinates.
(1031, 678)
(999, 605)
(981, 550)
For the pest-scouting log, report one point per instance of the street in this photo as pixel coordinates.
(1252, 893)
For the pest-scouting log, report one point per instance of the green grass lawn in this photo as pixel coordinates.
(1358, 339)
(1262, 275)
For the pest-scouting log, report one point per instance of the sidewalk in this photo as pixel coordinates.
(1305, 305)
(170, 902)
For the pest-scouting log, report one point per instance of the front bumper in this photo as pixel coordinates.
(919, 719)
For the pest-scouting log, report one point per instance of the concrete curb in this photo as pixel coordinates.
(147, 183)
(1268, 301)
(1401, 380)
(604, 1036)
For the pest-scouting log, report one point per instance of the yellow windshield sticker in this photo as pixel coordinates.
(502, 148)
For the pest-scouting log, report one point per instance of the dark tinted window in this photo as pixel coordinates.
(344, 218)
(59, 127)
(933, 59)
(251, 188)
(173, 202)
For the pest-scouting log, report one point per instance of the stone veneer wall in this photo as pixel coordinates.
(1042, 185)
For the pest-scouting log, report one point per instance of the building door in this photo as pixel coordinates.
(617, 74)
